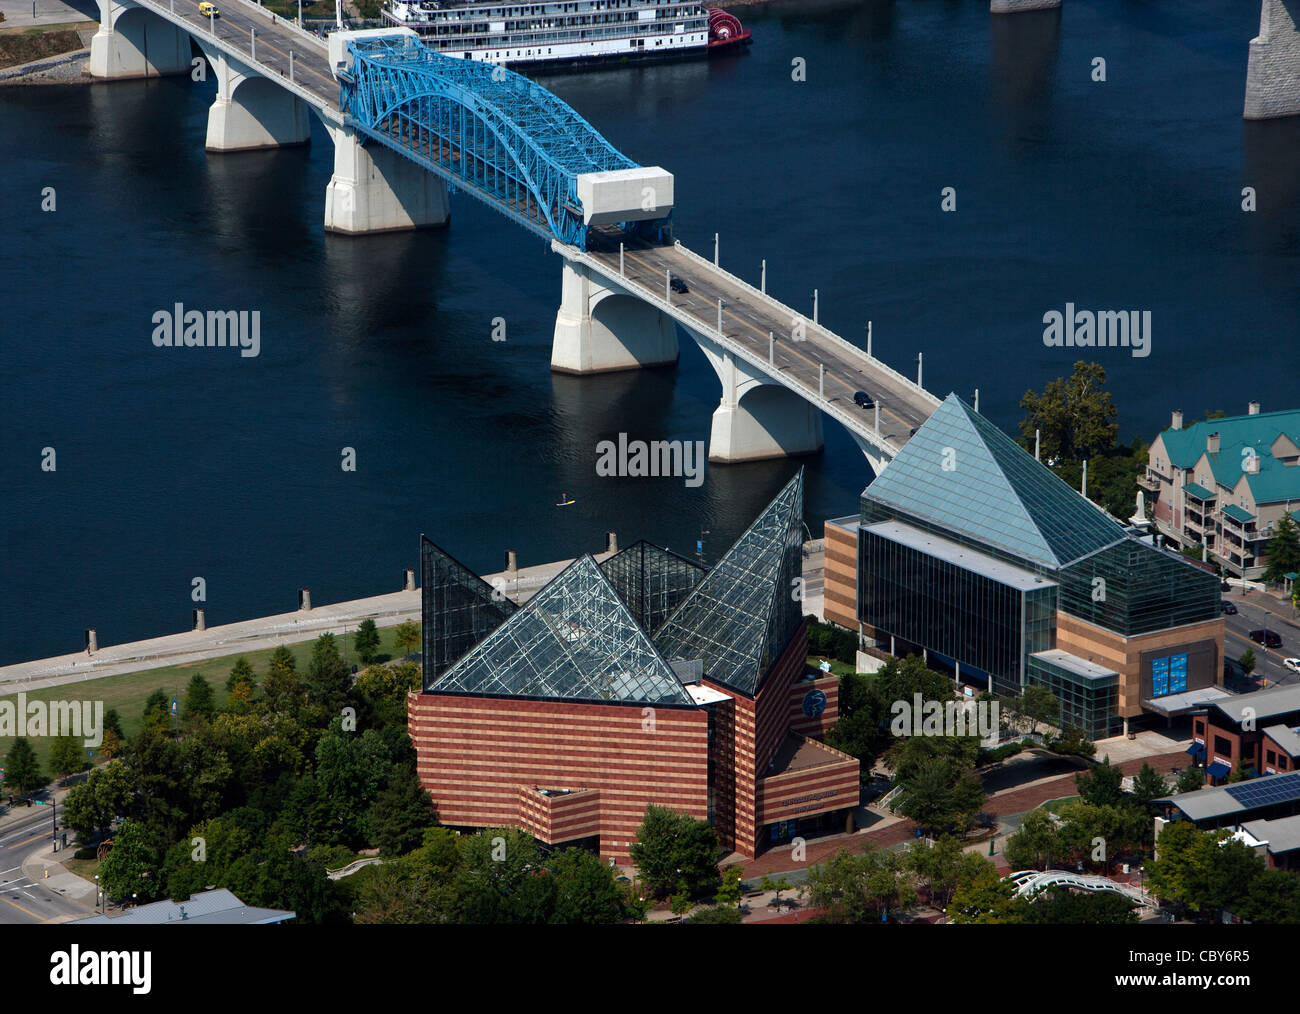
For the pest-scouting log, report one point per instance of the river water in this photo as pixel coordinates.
(174, 464)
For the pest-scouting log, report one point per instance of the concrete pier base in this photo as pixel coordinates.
(134, 43)
(251, 113)
(1016, 6)
(757, 420)
(1273, 69)
(600, 329)
(374, 189)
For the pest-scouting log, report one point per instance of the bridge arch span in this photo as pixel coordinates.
(601, 329)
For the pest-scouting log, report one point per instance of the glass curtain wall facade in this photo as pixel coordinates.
(1133, 588)
(458, 610)
(954, 611)
(1091, 704)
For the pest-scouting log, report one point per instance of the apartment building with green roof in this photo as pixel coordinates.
(1225, 483)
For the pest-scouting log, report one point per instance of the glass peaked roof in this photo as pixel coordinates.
(961, 472)
(652, 581)
(740, 617)
(573, 640)
(457, 609)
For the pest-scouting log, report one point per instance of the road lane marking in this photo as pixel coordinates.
(21, 909)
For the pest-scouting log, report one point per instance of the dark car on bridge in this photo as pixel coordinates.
(1268, 638)
(1228, 607)
(678, 285)
(863, 400)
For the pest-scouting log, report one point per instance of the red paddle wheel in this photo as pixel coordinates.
(726, 30)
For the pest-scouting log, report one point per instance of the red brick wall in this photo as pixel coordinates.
(831, 786)
(478, 755)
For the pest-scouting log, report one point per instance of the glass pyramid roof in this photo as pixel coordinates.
(652, 581)
(457, 609)
(573, 640)
(741, 616)
(963, 474)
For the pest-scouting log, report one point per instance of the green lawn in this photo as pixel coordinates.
(1054, 805)
(128, 691)
(838, 668)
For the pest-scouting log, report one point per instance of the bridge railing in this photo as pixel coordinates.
(165, 11)
(654, 297)
(831, 336)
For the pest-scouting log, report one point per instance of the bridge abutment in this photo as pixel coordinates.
(250, 112)
(600, 329)
(1273, 70)
(374, 189)
(757, 420)
(1015, 6)
(134, 43)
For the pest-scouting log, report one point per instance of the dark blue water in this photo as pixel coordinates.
(176, 463)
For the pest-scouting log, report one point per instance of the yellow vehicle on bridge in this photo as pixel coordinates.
(209, 9)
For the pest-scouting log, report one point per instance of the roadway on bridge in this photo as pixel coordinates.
(748, 317)
(275, 41)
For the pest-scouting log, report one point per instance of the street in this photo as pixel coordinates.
(24, 839)
(1256, 610)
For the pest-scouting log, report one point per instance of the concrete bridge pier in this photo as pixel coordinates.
(374, 189)
(250, 112)
(133, 42)
(757, 419)
(876, 458)
(1015, 6)
(600, 328)
(1273, 70)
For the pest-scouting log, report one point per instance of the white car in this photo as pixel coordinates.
(1292, 663)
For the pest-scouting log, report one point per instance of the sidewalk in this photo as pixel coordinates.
(250, 635)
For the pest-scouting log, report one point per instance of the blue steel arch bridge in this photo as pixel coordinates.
(486, 130)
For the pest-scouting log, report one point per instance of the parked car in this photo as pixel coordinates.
(1268, 638)
(863, 400)
(1292, 663)
(1228, 607)
(678, 285)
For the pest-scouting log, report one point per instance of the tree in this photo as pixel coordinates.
(501, 880)
(1075, 741)
(1147, 785)
(66, 756)
(22, 772)
(941, 795)
(1040, 705)
(1074, 416)
(1063, 907)
(328, 681)
(938, 866)
(366, 640)
(401, 814)
(241, 673)
(675, 853)
(586, 892)
(157, 712)
(1189, 780)
(130, 871)
(718, 915)
(861, 888)
(1037, 844)
(1247, 661)
(198, 699)
(729, 892)
(985, 899)
(1273, 898)
(282, 687)
(407, 637)
(1283, 549)
(90, 807)
(1100, 784)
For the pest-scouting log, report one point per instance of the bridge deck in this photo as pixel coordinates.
(747, 317)
(276, 38)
